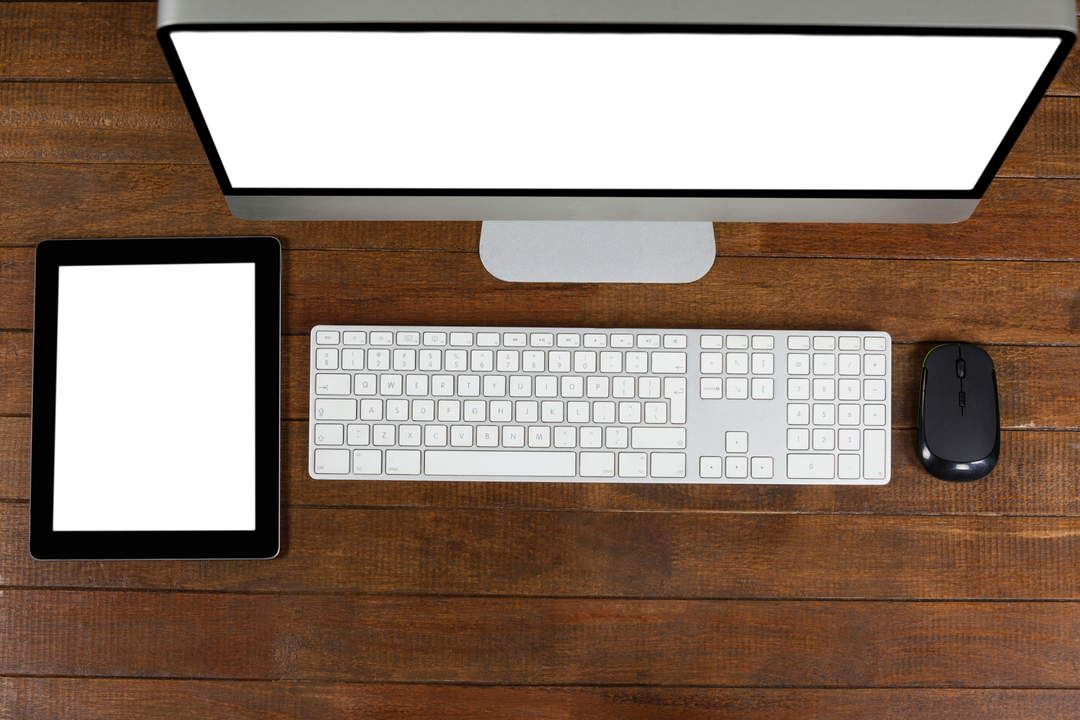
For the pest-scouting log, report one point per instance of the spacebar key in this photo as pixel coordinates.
(497, 463)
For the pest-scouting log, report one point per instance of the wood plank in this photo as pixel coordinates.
(148, 123)
(39, 49)
(16, 371)
(1050, 144)
(40, 201)
(1036, 476)
(96, 123)
(459, 552)
(14, 457)
(1038, 387)
(515, 641)
(1067, 81)
(96, 41)
(913, 301)
(106, 699)
(1018, 219)
(921, 301)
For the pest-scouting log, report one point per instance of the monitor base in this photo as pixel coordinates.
(597, 251)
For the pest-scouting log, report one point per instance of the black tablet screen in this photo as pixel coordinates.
(155, 397)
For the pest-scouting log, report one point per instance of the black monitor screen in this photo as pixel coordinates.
(640, 109)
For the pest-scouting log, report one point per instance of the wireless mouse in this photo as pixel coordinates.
(959, 431)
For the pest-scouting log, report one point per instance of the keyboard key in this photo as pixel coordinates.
(668, 465)
(568, 340)
(761, 468)
(435, 339)
(408, 338)
(595, 340)
(633, 465)
(545, 340)
(762, 342)
(332, 384)
(874, 343)
(798, 342)
(487, 339)
(847, 467)
(354, 338)
(712, 388)
(402, 462)
(382, 338)
(668, 362)
(327, 337)
(674, 342)
(735, 468)
(738, 342)
(646, 438)
(620, 340)
(500, 463)
(811, 467)
(367, 462)
(712, 342)
(648, 341)
(824, 342)
(735, 441)
(326, 359)
(327, 409)
(711, 467)
(329, 434)
(874, 456)
(461, 339)
(874, 364)
(597, 464)
(332, 462)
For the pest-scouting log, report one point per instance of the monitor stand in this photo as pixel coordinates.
(597, 251)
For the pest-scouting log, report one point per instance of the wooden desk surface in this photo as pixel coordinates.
(513, 600)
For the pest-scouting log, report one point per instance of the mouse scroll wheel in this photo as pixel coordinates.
(960, 369)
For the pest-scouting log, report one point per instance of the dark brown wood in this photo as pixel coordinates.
(121, 699)
(460, 552)
(556, 600)
(1036, 477)
(1018, 219)
(97, 123)
(107, 41)
(1039, 387)
(515, 641)
(147, 123)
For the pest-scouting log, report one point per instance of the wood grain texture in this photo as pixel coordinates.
(459, 552)
(515, 641)
(1018, 219)
(96, 123)
(148, 123)
(557, 600)
(1035, 477)
(913, 301)
(109, 699)
(1049, 145)
(1039, 387)
(107, 41)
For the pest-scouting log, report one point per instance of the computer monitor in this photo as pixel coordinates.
(544, 117)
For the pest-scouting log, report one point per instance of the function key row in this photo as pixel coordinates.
(495, 339)
(794, 342)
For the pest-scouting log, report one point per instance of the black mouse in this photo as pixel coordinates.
(959, 429)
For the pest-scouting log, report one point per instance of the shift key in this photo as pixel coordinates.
(642, 438)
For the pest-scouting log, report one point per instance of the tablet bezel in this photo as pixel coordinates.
(264, 540)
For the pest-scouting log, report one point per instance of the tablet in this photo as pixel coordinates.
(155, 428)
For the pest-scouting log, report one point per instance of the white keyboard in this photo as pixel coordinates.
(559, 404)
